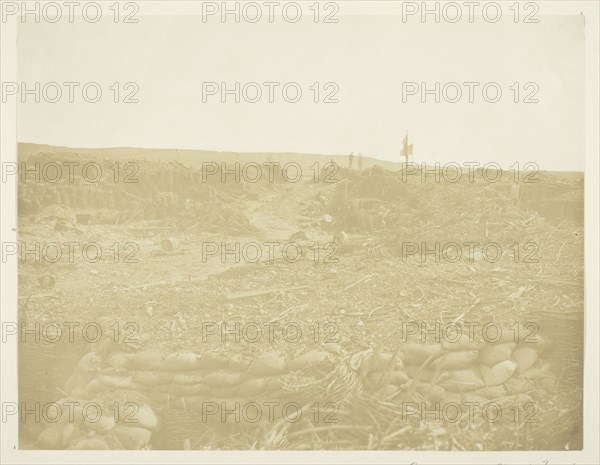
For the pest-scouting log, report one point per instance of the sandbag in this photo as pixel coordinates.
(182, 389)
(117, 360)
(455, 360)
(495, 353)
(146, 360)
(146, 418)
(212, 361)
(417, 354)
(152, 378)
(274, 384)
(113, 442)
(115, 381)
(181, 361)
(419, 373)
(398, 377)
(239, 363)
(475, 398)
(78, 381)
(189, 378)
(81, 393)
(93, 443)
(132, 437)
(96, 386)
(252, 387)
(332, 347)
(222, 378)
(51, 437)
(492, 392)
(525, 358)
(90, 362)
(102, 426)
(222, 392)
(69, 433)
(499, 373)
(517, 385)
(33, 428)
(462, 380)
(464, 342)
(268, 364)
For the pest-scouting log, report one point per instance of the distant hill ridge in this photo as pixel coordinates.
(197, 157)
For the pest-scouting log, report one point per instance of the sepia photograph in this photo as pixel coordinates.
(293, 232)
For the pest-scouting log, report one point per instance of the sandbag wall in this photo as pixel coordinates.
(146, 386)
(173, 388)
(463, 370)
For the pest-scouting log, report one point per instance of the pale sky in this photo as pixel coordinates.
(367, 56)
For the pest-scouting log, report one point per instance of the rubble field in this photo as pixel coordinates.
(320, 289)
